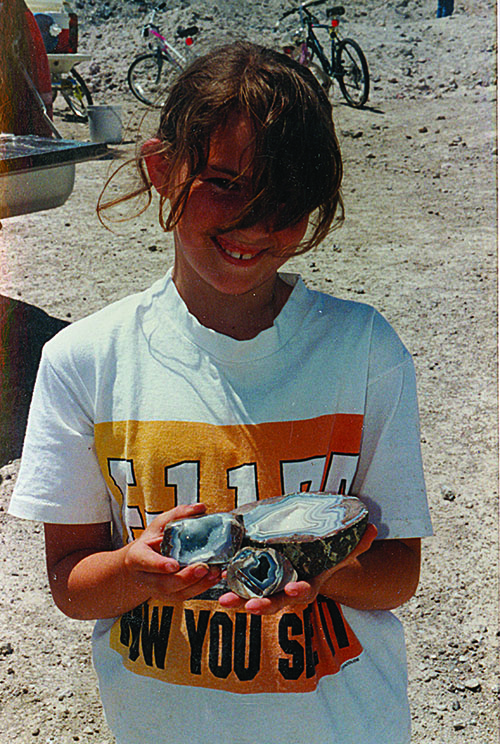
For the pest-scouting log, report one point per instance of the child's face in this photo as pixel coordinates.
(243, 259)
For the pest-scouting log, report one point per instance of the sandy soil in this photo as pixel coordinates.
(419, 243)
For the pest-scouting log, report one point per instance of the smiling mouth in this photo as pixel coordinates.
(234, 251)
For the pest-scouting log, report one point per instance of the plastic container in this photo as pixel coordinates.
(105, 124)
(45, 6)
(62, 63)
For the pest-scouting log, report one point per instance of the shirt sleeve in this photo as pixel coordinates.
(390, 478)
(60, 480)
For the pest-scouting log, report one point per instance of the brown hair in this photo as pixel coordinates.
(297, 167)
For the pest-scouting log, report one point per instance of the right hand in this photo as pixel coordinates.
(167, 582)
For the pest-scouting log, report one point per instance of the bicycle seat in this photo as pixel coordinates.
(338, 10)
(183, 33)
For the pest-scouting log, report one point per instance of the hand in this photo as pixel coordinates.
(163, 576)
(297, 592)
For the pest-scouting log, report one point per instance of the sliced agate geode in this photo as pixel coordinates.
(314, 530)
(209, 538)
(259, 572)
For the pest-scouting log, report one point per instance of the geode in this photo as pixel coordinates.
(314, 530)
(259, 572)
(209, 538)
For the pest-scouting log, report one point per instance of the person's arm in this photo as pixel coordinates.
(89, 580)
(378, 575)
(384, 577)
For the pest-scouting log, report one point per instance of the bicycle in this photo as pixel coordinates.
(69, 83)
(149, 74)
(347, 63)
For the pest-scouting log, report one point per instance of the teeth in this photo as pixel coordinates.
(235, 254)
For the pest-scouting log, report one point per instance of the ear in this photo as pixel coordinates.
(157, 165)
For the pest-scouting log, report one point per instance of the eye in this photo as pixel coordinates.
(224, 184)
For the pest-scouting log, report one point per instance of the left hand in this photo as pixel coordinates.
(296, 592)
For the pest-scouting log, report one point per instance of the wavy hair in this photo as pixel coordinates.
(296, 168)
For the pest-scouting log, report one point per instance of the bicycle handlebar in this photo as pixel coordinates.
(310, 3)
(331, 12)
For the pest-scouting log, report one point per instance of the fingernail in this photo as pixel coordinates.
(201, 571)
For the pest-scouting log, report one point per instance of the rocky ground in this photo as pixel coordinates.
(419, 243)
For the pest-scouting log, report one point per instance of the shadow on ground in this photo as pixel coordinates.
(24, 329)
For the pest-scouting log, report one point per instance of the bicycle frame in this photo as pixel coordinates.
(307, 20)
(347, 64)
(150, 29)
(150, 71)
(163, 45)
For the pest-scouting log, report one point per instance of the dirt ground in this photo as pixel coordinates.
(419, 243)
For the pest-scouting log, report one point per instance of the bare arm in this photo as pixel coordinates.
(382, 578)
(377, 575)
(89, 580)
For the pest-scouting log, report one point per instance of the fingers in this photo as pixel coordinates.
(144, 559)
(178, 512)
(296, 592)
(188, 582)
(231, 600)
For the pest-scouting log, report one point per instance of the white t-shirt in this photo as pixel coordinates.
(138, 408)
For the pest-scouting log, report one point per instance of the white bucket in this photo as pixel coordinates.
(105, 124)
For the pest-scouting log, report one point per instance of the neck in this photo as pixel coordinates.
(240, 316)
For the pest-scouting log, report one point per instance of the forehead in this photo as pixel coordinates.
(232, 145)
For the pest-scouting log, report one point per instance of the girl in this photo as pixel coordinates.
(226, 382)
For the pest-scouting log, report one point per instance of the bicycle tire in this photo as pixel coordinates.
(149, 76)
(77, 96)
(352, 73)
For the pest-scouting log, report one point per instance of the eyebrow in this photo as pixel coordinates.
(226, 171)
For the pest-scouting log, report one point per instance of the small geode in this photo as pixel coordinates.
(256, 572)
(209, 538)
(314, 530)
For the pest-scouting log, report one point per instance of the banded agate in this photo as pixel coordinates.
(314, 530)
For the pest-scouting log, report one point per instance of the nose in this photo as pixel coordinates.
(262, 229)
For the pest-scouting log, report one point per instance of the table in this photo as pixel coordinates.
(38, 173)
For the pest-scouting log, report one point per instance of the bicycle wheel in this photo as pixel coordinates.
(76, 94)
(352, 73)
(149, 75)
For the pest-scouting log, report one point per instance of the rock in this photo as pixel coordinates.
(447, 493)
(211, 538)
(255, 572)
(314, 530)
(474, 685)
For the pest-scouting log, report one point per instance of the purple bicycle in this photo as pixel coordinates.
(150, 74)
